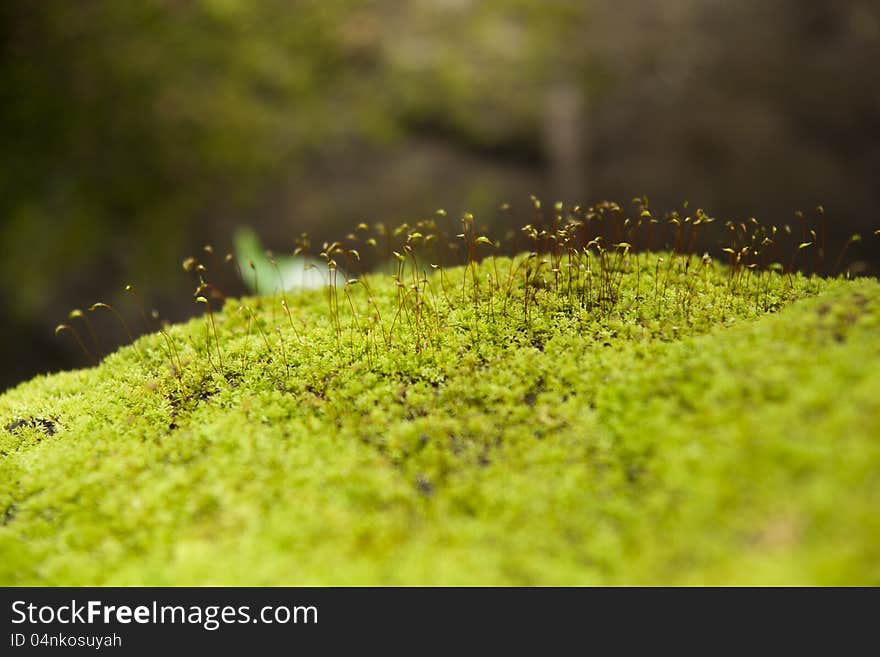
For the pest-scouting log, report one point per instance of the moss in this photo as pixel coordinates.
(688, 433)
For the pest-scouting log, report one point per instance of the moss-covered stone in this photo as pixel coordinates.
(685, 433)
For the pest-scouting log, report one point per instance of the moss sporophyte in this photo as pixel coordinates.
(591, 398)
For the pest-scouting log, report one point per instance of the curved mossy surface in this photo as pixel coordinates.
(688, 431)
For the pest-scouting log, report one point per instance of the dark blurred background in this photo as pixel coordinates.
(132, 133)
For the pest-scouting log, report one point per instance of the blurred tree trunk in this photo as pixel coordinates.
(565, 133)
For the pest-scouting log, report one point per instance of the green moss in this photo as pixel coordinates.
(679, 435)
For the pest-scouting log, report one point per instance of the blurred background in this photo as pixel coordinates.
(132, 133)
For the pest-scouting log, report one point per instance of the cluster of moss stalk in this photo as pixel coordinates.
(570, 261)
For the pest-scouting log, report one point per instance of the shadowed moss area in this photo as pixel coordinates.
(493, 430)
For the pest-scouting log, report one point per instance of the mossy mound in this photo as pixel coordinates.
(688, 429)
